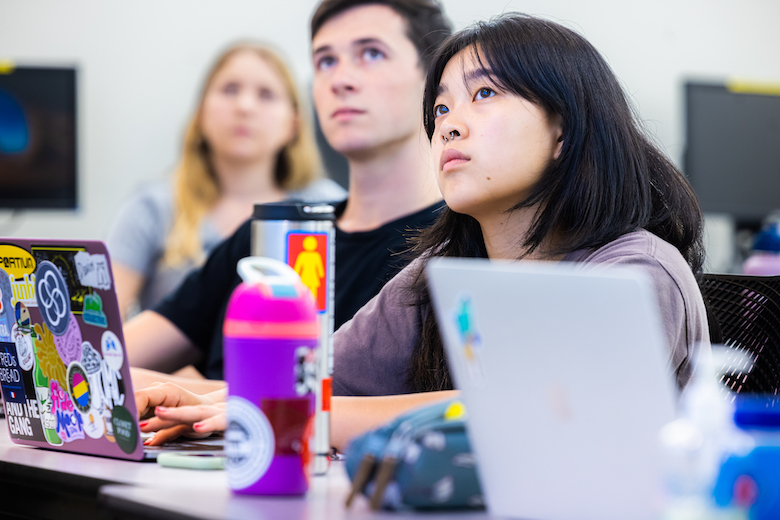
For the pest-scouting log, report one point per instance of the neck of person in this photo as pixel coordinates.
(242, 184)
(505, 232)
(247, 179)
(389, 183)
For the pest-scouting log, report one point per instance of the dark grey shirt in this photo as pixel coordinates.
(372, 351)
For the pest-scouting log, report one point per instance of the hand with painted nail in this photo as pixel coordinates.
(171, 411)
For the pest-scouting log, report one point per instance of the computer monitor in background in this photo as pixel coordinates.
(732, 156)
(37, 137)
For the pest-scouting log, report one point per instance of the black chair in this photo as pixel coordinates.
(744, 315)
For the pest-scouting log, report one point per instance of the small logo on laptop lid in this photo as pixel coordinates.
(470, 338)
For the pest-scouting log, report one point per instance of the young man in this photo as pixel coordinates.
(369, 72)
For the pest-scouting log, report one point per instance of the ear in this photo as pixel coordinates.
(558, 129)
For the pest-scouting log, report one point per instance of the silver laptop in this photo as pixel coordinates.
(566, 380)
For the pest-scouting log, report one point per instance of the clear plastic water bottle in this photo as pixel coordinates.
(696, 444)
(271, 333)
(765, 259)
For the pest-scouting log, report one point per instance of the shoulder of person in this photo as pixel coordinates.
(154, 197)
(635, 247)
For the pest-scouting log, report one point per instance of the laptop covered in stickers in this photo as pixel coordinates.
(63, 367)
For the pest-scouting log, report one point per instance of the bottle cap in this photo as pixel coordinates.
(295, 210)
(768, 239)
(757, 412)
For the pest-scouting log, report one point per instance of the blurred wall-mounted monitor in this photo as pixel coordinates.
(732, 156)
(37, 137)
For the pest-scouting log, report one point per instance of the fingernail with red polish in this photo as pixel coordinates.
(161, 409)
(142, 424)
(197, 426)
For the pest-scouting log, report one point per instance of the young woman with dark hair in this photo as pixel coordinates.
(539, 157)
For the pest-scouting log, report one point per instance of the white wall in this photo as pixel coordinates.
(141, 64)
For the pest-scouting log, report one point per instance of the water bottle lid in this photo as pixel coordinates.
(295, 210)
(757, 411)
(768, 239)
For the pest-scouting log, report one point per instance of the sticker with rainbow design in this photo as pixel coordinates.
(78, 384)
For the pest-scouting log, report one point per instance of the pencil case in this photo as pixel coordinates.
(420, 460)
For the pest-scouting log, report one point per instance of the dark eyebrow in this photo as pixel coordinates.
(469, 77)
(477, 74)
(357, 43)
(321, 48)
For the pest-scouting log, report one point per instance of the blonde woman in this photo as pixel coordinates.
(250, 141)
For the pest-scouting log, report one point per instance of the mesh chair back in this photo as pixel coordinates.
(746, 312)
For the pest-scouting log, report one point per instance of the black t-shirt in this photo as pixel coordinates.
(365, 261)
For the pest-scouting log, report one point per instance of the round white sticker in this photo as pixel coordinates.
(94, 424)
(249, 443)
(24, 347)
(112, 350)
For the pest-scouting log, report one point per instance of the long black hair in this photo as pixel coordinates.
(609, 179)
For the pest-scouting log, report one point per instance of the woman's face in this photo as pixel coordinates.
(490, 147)
(247, 113)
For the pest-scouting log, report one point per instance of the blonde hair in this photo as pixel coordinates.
(196, 186)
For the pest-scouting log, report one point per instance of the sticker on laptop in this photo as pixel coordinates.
(92, 270)
(469, 336)
(24, 347)
(53, 298)
(48, 366)
(62, 259)
(112, 350)
(19, 264)
(69, 342)
(125, 430)
(22, 414)
(69, 425)
(7, 318)
(93, 311)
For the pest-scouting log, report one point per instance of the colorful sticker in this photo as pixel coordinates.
(24, 347)
(249, 443)
(22, 314)
(16, 261)
(307, 254)
(92, 270)
(49, 360)
(69, 423)
(471, 341)
(22, 414)
(23, 290)
(69, 343)
(6, 310)
(125, 430)
(63, 259)
(47, 364)
(52, 297)
(78, 385)
(112, 350)
(93, 311)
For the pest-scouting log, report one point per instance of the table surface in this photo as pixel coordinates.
(128, 489)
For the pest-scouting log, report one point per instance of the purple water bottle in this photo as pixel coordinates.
(271, 333)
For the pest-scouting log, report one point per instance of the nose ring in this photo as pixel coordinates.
(451, 137)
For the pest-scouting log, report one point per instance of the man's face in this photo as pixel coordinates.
(368, 83)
